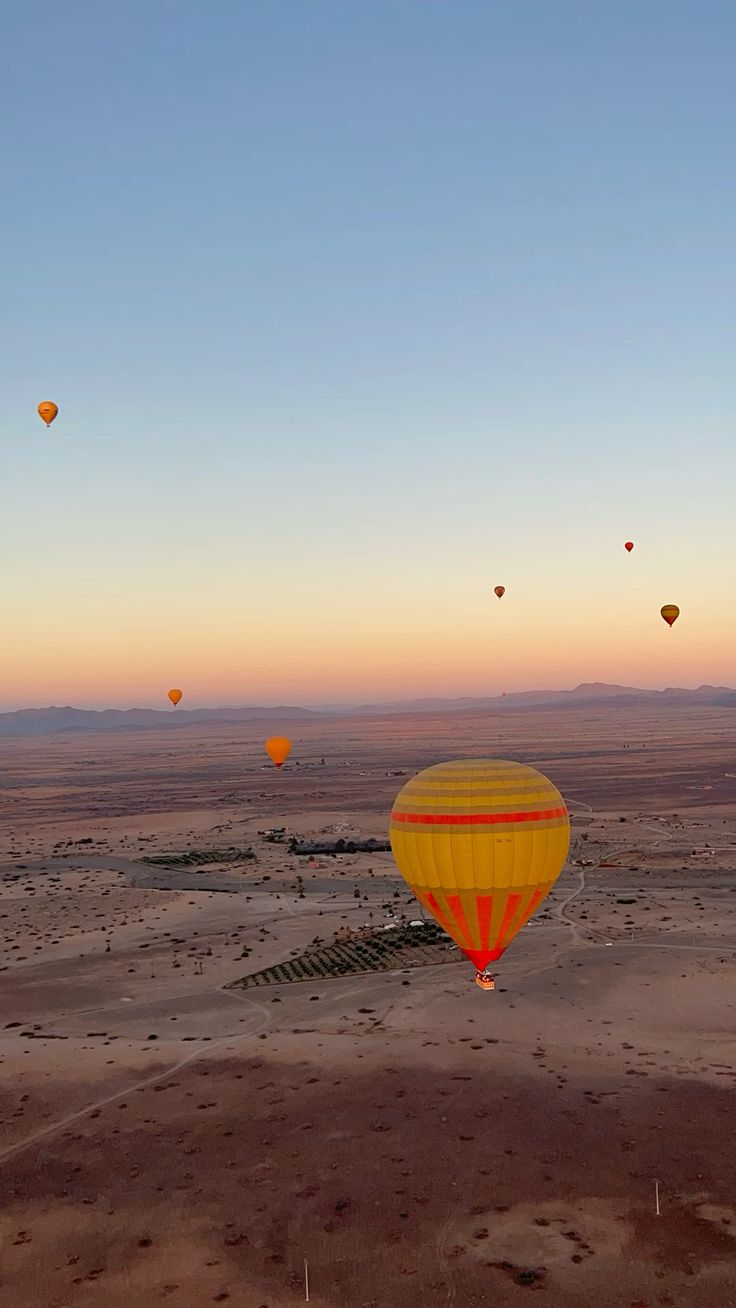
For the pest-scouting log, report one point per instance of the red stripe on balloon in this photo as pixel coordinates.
(484, 903)
(538, 894)
(512, 903)
(455, 905)
(478, 819)
(441, 917)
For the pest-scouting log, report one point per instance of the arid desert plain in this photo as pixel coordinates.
(169, 1138)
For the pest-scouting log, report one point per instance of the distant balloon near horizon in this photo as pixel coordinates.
(47, 411)
(480, 842)
(175, 696)
(499, 590)
(278, 749)
(670, 613)
(629, 545)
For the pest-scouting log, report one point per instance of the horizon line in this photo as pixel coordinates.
(348, 706)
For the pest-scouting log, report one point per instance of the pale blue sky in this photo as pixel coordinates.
(450, 285)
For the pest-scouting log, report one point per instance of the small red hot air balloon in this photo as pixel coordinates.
(629, 545)
(499, 590)
(670, 613)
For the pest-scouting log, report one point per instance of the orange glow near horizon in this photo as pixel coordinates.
(349, 654)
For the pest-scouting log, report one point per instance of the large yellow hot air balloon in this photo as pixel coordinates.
(278, 749)
(480, 842)
(670, 613)
(48, 411)
(175, 696)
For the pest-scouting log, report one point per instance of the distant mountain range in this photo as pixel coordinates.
(589, 693)
(595, 694)
(41, 722)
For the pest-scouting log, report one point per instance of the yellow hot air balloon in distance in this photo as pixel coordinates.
(175, 696)
(48, 411)
(278, 749)
(480, 842)
(670, 613)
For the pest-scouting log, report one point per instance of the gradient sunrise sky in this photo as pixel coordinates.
(354, 309)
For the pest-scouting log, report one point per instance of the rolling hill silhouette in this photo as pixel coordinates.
(45, 721)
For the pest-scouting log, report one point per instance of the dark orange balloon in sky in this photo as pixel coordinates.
(175, 696)
(48, 411)
(499, 590)
(278, 749)
(670, 613)
(629, 546)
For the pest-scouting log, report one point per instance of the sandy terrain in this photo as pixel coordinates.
(167, 1140)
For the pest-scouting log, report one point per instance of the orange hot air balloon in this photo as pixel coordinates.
(278, 749)
(670, 613)
(480, 842)
(175, 696)
(48, 411)
(628, 546)
(499, 590)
